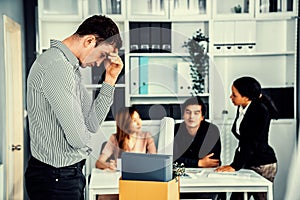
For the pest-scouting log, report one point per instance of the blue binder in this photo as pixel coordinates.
(143, 84)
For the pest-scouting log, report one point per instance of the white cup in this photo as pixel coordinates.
(119, 163)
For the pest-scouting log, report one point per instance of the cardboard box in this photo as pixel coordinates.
(149, 190)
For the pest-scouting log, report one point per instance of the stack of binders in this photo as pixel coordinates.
(150, 37)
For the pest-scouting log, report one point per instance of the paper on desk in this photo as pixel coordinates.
(192, 173)
(229, 175)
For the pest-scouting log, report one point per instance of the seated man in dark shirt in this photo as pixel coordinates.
(196, 141)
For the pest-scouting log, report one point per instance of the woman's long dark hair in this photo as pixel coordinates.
(250, 87)
(123, 121)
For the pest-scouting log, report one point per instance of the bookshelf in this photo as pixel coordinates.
(143, 9)
(233, 9)
(253, 40)
(256, 44)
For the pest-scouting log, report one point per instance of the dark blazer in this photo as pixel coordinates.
(253, 148)
(189, 150)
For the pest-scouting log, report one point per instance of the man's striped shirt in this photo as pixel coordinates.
(61, 113)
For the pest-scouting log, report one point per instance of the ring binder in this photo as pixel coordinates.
(166, 37)
(144, 35)
(134, 37)
(155, 36)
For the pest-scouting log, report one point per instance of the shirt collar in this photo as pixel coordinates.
(66, 51)
(243, 110)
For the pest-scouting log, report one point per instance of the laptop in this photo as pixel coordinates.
(146, 167)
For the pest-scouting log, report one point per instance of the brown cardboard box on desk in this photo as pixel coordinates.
(149, 190)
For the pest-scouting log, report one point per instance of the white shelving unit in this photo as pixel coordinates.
(251, 41)
(233, 9)
(256, 42)
(158, 9)
(57, 10)
(190, 10)
(166, 84)
(277, 9)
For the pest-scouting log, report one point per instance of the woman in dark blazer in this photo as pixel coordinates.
(251, 128)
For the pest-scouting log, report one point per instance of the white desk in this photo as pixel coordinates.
(198, 180)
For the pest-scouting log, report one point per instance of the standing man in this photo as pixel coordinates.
(197, 142)
(62, 114)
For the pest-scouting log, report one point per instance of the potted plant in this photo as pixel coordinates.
(199, 59)
(237, 8)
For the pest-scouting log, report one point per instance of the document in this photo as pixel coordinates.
(228, 175)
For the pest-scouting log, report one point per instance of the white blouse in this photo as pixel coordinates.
(242, 112)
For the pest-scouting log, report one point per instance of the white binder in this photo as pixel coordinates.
(134, 75)
(184, 78)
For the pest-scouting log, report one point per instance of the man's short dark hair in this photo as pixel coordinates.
(194, 101)
(104, 29)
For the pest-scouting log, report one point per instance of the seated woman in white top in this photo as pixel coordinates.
(129, 138)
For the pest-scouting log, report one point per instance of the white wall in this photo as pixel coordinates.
(293, 181)
(1, 181)
(14, 10)
(283, 140)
